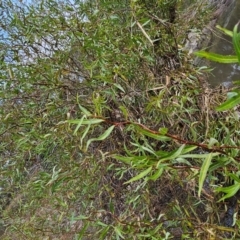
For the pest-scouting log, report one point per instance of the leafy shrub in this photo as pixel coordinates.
(107, 129)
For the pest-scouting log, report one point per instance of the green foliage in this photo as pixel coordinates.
(225, 58)
(218, 57)
(236, 41)
(103, 126)
(203, 172)
(230, 191)
(234, 100)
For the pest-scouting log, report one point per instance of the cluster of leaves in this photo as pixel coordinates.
(106, 128)
(233, 96)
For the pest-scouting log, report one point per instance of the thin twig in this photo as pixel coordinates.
(176, 138)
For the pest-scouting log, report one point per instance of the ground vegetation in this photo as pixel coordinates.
(108, 130)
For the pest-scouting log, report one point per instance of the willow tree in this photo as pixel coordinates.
(85, 88)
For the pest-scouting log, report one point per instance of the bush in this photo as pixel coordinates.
(108, 131)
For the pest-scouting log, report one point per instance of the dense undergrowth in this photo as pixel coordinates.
(108, 131)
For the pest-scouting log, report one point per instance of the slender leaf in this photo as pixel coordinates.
(230, 190)
(83, 230)
(118, 232)
(84, 134)
(174, 154)
(230, 103)
(84, 110)
(119, 87)
(236, 41)
(188, 149)
(225, 31)
(101, 137)
(157, 174)
(143, 148)
(234, 177)
(84, 122)
(140, 176)
(204, 155)
(79, 125)
(101, 224)
(159, 136)
(231, 94)
(203, 171)
(163, 131)
(217, 57)
(183, 161)
(104, 232)
(129, 160)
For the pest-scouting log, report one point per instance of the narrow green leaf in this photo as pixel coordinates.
(217, 57)
(79, 125)
(188, 149)
(140, 176)
(163, 131)
(81, 233)
(160, 137)
(203, 171)
(84, 110)
(183, 161)
(147, 149)
(230, 190)
(118, 232)
(84, 134)
(174, 154)
(157, 174)
(221, 162)
(236, 41)
(143, 148)
(87, 121)
(129, 160)
(231, 94)
(124, 111)
(230, 103)
(234, 177)
(101, 224)
(104, 232)
(204, 155)
(119, 87)
(101, 137)
(148, 21)
(133, 23)
(225, 31)
(227, 189)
